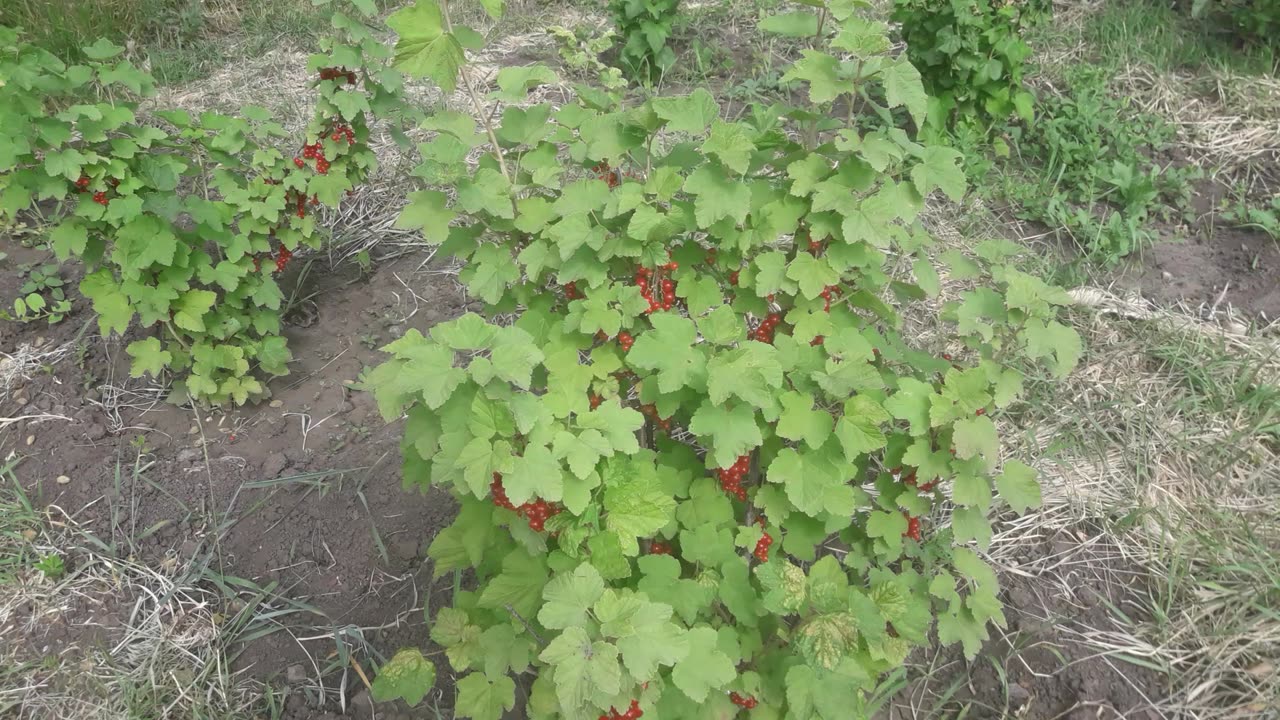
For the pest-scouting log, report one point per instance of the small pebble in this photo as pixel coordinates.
(277, 403)
(20, 401)
(31, 439)
(63, 479)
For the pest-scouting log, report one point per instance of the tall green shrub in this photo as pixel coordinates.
(702, 465)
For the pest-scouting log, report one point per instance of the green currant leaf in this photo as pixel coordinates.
(911, 403)
(423, 48)
(797, 24)
(799, 421)
(582, 668)
(903, 88)
(569, 597)
(148, 357)
(661, 579)
(732, 430)
(1018, 486)
(689, 113)
(750, 372)
(407, 675)
(426, 211)
(634, 501)
(731, 144)
(482, 699)
(671, 351)
(607, 557)
(859, 429)
(976, 437)
(705, 667)
(823, 75)
(1043, 339)
(515, 83)
(813, 275)
(940, 168)
(717, 196)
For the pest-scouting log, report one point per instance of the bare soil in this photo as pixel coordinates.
(1210, 263)
(1040, 667)
(301, 494)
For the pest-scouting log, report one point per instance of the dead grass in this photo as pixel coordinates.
(110, 638)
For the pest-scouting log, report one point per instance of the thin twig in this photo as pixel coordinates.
(475, 101)
(526, 624)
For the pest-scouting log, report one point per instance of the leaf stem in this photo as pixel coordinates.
(176, 336)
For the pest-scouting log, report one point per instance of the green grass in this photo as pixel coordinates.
(18, 524)
(181, 40)
(1167, 39)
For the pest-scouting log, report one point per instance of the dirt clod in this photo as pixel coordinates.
(274, 465)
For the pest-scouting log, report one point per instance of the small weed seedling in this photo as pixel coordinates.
(41, 296)
(52, 566)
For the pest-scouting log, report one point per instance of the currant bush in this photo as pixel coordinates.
(729, 478)
(972, 53)
(172, 213)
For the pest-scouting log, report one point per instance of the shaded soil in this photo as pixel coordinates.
(301, 495)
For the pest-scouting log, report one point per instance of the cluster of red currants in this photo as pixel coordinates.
(82, 184)
(764, 331)
(315, 151)
(300, 202)
(282, 258)
(652, 412)
(815, 246)
(910, 479)
(658, 547)
(332, 73)
(733, 278)
(644, 280)
(632, 713)
(731, 477)
(829, 292)
(913, 528)
(626, 341)
(571, 291)
(100, 197)
(762, 547)
(611, 177)
(747, 702)
(594, 399)
(537, 511)
(341, 131)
